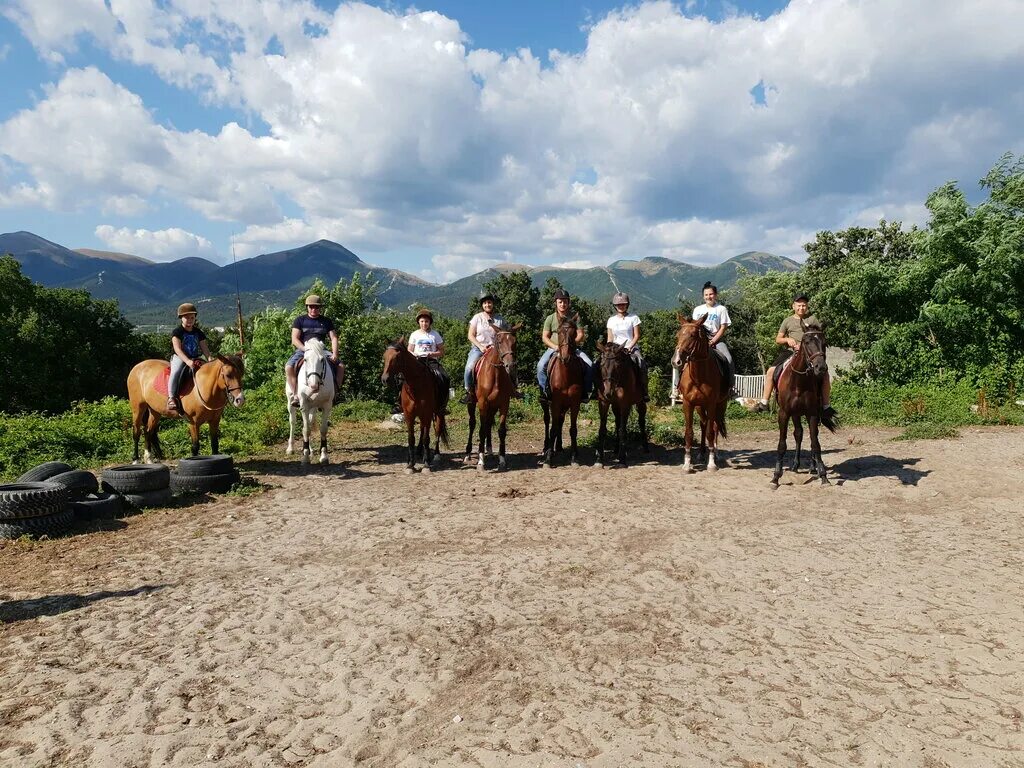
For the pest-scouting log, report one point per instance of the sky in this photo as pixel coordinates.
(449, 136)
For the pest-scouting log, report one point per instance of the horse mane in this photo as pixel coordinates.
(236, 362)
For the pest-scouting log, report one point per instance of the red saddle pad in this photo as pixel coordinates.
(161, 379)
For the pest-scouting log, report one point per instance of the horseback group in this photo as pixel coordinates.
(703, 376)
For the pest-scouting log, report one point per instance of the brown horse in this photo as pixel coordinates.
(492, 393)
(619, 389)
(701, 386)
(799, 394)
(421, 400)
(566, 384)
(216, 384)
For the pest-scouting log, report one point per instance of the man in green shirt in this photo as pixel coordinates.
(549, 335)
(790, 334)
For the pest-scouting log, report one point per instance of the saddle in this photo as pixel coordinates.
(442, 384)
(728, 374)
(161, 380)
(780, 368)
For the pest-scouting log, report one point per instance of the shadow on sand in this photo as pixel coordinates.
(53, 605)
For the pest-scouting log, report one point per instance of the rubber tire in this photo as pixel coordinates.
(160, 497)
(205, 466)
(97, 507)
(79, 482)
(24, 501)
(50, 525)
(45, 471)
(187, 484)
(136, 478)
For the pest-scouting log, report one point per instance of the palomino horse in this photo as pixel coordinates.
(316, 395)
(421, 400)
(799, 394)
(216, 384)
(566, 384)
(619, 388)
(492, 393)
(701, 386)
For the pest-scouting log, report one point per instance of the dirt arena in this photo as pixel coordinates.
(637, 617)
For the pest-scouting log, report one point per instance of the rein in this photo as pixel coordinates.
(501, 355)
(228, 390)
(808, 359)
(702, 342)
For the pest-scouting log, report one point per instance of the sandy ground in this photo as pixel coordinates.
(636, 617)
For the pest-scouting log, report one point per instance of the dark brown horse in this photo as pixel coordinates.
(701, 387)
(566, 385)
(421, 401)
(619, 389)
(799, 394)
(492, 392)
(215, 385)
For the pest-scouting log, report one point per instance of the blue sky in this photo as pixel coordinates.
(446, 137)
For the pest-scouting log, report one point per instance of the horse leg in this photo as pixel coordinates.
(688, 436)
(574, 412)
(193, 429)
(486, 422)
(215, 436)
(602, 432)
(436, 458)
(138, 419)
(502, 431)
(325, 424)
(641, 411)
(410, 418)
(781, 449)
(471, 408)
(812, 423)
(154, 452)
(702, 412)
(425, 422)
(798, 438)
(559, 426)
(549, 438)
(291, 426)
(712, 432)
(621, 424)
(307, 427)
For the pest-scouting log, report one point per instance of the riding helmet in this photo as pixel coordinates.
(485, 295)
(313, 301)
(425, 313)
(560, 294)
(620, 298)
(187, 309)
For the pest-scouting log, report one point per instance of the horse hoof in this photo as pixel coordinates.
(598, 465)
(425, 470)
(546, 465)
(409, 470)
(325, 460)
(712, 468)
(689, 470)
(574, 463)
(502, 466)
(824, 481)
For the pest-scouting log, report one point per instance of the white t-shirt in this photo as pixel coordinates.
(622, 327)
(717, 316)
(424, 342)
(482, 330)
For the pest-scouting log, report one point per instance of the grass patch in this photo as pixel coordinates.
(926, 430)
(247, 485)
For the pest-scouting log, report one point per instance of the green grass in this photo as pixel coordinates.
(926, 430)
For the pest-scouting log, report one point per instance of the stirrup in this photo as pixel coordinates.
(466, 399)
(172, 405)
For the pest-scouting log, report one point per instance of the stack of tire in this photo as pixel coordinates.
(139, 485)
(49, 498)
(204, 474)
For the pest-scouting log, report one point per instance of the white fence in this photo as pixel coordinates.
(746, 386)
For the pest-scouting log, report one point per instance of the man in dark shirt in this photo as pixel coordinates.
(309, 326)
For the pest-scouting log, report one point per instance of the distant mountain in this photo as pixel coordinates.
(149, 292)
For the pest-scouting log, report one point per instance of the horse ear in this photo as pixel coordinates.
(576, 318)
(700, 320)
(401, 340)
(515, 328)
(600, 345)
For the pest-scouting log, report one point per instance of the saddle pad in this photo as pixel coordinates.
(476, 368)
(779, 369)
(161, 379)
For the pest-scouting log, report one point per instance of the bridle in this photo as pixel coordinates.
(702, 342)
(227, 389)
(808, 359)
(612, 355)
(502, 355)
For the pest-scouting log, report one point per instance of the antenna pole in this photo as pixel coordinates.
(238, 299)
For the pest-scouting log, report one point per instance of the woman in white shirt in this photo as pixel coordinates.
(717, 323)
(624, 328)
(426, 342)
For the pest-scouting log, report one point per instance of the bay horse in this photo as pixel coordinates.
(620, 390)
(799, 394)
(215, 384)
(316, 395)
(566, 385)
(701, 387)
(421, 401)
(492, 392)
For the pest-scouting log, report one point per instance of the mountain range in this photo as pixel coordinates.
(148, 292)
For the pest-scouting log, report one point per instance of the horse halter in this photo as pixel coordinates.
(227, 389)
(502, 355)
(701, 341)
(809, 359)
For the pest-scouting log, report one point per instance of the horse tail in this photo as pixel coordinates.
(442, 430)
(721, 422)
(831, 421)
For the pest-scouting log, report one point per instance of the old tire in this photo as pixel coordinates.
(79, 482)
(44, 472)
(135, 478)
(24, 501)
(204, 466)
(160, 497)
(49, 525)
(188, 484)
(97, 506)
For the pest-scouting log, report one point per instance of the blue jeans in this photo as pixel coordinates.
(474, 355)
(588, 371)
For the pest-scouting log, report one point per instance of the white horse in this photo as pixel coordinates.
(316, 393)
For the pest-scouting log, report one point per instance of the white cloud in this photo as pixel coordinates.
(387, 131)
(577, 264)
(161, 245)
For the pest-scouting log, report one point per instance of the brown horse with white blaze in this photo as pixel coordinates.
(799, 394)
(492, 393)
(215, 384)
(619, 389)
(701, 387)
(566, 385)
(421, 401)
